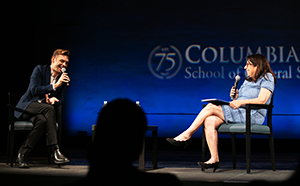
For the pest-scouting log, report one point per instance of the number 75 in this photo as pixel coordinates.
(168, 58)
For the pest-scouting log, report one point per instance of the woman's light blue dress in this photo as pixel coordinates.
(250, 90)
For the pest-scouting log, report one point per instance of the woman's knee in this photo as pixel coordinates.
(214, 110)
(210, 108)
(209, 122)
(212, 122)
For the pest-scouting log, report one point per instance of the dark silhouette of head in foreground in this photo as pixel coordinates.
(120, 130)
(118, 142)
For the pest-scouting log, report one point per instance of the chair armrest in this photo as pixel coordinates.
(58, 110)
(248, 115)
(259, 106)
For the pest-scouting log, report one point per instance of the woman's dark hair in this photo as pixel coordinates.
(263, 67)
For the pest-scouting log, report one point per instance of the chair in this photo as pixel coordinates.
(16, 125)
(248, 130)
(154, 130)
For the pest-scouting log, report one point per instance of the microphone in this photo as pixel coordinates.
(64, 70)
(237, 79)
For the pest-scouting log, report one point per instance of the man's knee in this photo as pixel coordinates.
(49, 111)
(49, 108)
(39, 121)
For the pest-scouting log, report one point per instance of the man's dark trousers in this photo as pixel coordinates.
(43, 117)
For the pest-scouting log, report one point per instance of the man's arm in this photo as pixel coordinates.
(59, 95)
(61, 88)
(36, 83)
(52, 100)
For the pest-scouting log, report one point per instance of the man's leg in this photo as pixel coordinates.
(34, 135)
(51, 132)
(41, 114)
(43, 117)
(39, 123)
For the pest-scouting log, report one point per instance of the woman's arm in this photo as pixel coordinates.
(262, 98)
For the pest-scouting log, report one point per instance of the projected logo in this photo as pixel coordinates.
(165, 62)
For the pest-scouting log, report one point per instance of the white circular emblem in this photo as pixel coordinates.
(165, 62)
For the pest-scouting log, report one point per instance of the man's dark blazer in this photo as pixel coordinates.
(39, 86)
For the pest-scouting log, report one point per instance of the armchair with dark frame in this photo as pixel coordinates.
(247, 129)
(16, 125)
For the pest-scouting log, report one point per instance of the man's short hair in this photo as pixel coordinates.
(60, 52)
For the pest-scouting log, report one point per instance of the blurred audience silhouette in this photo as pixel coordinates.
(121, 127)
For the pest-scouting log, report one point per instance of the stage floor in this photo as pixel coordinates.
(183, 164)
(46, 175)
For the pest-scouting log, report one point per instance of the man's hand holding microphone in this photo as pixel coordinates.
(64, 78)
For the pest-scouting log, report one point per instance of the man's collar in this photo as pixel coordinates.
(52, 73)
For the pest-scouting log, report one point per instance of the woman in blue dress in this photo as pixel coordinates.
(257, 88)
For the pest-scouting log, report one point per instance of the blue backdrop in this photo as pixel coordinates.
(169, 55)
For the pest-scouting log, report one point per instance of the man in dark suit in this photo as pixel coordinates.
(46, 90)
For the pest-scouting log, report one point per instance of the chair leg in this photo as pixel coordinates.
(272, 151)
(8, 149)
(203, 147)
(11, 148)
(154, 149)
(233, 151)
(142, 156)
(248, 153)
